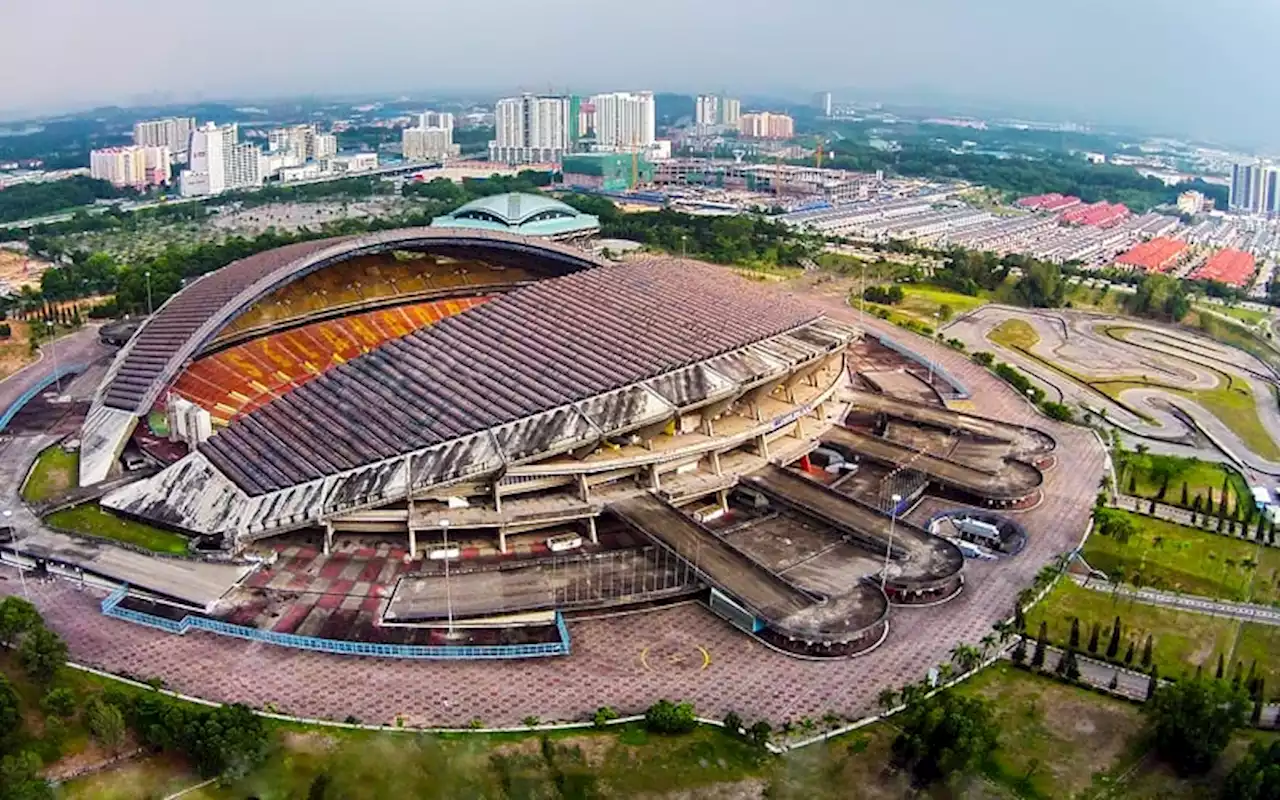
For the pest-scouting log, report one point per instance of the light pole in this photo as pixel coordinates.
(684, 250)
(448, 591)
(147, 275)
(57, 379)
(1031, 396)
(888, 552)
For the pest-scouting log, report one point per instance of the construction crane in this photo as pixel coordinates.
(817, 156)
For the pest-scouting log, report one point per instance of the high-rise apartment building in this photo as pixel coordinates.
(822, 102)
(219, 161)
(530, 129)
(131, 165)
(711, 110)
(766, 125)
(625, 120)
(706, 110)
(1255, 189)
(173, 133)
(301, 143)
(730, 111)
(427, 144)
(435, 119)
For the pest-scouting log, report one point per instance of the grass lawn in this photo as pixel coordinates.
(1236, 336)
(1245, 315)
(1176, 557)
(55, 472)
(152, 776)
(1203, 478)
(1016, 334)
(93, 519)
(921, 302)
(1183, 640)
(1261, 643)
(1054, 738)
(1111, 301)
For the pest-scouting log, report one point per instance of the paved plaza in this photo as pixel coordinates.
(628, 662)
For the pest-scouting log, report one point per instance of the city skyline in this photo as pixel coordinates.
(1135, 69)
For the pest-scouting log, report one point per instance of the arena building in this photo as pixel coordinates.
(654, 417)
(524, 214)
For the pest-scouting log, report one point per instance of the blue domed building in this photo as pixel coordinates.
(524, 214)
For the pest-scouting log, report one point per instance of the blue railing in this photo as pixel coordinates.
(962, 392)
(111, 608)
(40, 386)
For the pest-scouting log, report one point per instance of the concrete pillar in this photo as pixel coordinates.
(654, 482)
(799, 427)
(762, 446)
(502, 540)
(820, 411)
(715, 463)
(584, 488)
(328, 537)
(591, 530)
(708, 426)
(497, 499)
(723, 497)
(413, 542)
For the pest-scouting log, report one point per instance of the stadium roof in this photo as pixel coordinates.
(545, 369)
(517, 212)
(191, 319)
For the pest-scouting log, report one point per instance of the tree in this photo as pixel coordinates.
(1041, 286)
(1146, 652)
(966, 657)
(1113, 646)
(42, 654)
(1074, 641)
(105, 723)
(59, 702)
(1114, 524)
(1154, 682)
(1019, 654)
(1128, 654)
(1191, 721)
(17, 616)
(667, 717)
(887, 699)
(1042, 641)
(945, 735)
(1184, 495)
(1257, 776)
(1218, 674)
(1093, 639)
(10, 712)
(1068, 666)
(20, 778)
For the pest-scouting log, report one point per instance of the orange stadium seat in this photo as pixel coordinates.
(239, 379)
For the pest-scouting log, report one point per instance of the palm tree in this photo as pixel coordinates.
(988, 643)
(1004, 630)
(965, 656)
(945, 671)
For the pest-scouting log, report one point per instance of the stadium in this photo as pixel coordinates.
(571, 433)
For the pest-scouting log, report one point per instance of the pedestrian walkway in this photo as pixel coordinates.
(1249, 612)
(1180, 516)
(1130, 683)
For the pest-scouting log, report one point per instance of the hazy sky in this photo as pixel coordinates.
(1181, 65)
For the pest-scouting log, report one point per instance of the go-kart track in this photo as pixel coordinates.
(683, 651)
(1143, 378)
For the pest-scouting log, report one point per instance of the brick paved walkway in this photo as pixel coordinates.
(626, 662)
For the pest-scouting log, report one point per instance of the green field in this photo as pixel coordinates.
(1261, 644)
(1203, 478)
(1060, 736)
(54, 472)
(923, 303)
(1245, 315)
(94, 520)
(1112, 302)
(1183, 640)
(1016, 334)
(1177, 558)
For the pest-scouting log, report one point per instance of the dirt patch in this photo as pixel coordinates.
(750, 789)
(20, 269)
(310, 742)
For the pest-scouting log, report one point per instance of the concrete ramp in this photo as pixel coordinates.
(920, 558)
(1025, 441)
(759, 590)
(1013, 481)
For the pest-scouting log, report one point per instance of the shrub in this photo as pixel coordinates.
(886, 295)
(1191, 721)
(59, 702)
(603, 715)
(1059, 411)
(984, 358)
(667, 717)
(733, 723)
(946, 734)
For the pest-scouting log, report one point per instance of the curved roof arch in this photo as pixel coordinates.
(513, 208)
(192, 318)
